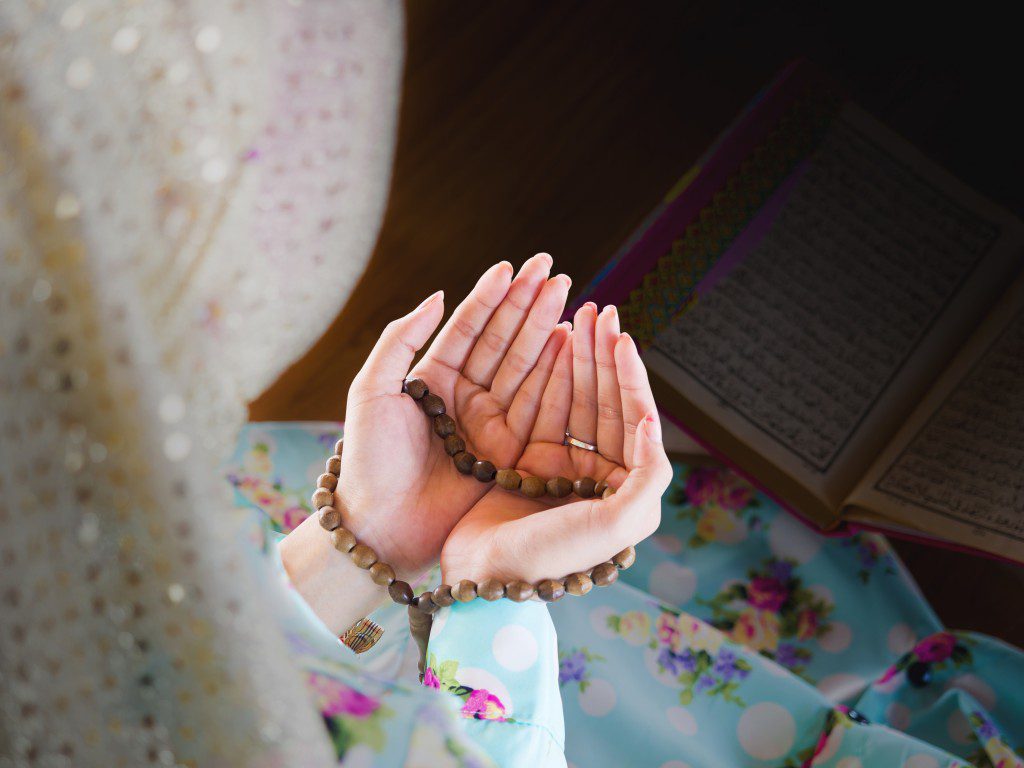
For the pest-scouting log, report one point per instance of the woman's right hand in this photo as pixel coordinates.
(398, 491)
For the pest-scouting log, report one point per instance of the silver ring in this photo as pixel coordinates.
(577, 443)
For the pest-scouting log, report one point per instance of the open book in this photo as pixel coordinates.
(841, 320)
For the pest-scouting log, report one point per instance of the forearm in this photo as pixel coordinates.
(336, 589)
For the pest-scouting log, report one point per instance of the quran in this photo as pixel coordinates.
(841, 320)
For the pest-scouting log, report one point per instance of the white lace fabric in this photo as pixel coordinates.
(189, 192)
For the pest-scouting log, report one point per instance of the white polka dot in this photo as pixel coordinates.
(837, 638)
(208, 39)
(841, 687)
(849, 762)
(959, 729)
(921, 760)
(822, 592)
(514, 647)
(599, 621)
(901, 639)
(667, 543)
(977, 687)
(474, 677)
(682, 720)
(673, 583)
(898, 716)
(674, 764)
(599, 698)
(791, 539)
(766, 731)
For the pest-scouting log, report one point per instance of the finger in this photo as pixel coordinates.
(583, 415)
(389, 361)
(553, 415)
(597, 529)
(530, 342)
(634, 390)
(500, 331)
(454, 343)
(610, 431)
(522, 413)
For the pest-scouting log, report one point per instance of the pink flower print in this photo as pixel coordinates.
(888, 675)
(719, 486)
(335, 698)
(937, 647)
(483, 705)
(668, 629)
(806, 624)
(292, 518)
(766, 593)
(430, 679)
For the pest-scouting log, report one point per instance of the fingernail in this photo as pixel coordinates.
(566, 278)
(546, 257)
(507, 266)
(653, 426)
(429, 300)
(610, 309)
(626, 338)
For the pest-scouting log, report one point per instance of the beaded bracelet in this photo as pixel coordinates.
(364, 634)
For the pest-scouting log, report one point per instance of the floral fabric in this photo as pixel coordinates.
(739, 638)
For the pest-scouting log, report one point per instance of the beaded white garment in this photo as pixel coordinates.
(190, 189)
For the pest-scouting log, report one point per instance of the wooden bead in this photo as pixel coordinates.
(328, 481)
(578, 584)
(443, 596)
(604, 574)
(533, 487)
(491, 590)
(334, 465)
(600, 488)
(330, 518)
(425, 602)
(520, 591)
(625, 558)
(509, 479)
(400, 592)
(338, 446)
(608, 492)
(559, 487)
(382, 574)
(454, 444)
(363, 556)
(464, 591)
(432, 405)
(417, 389)
(322, 498)
(484, 471)
(444, 425)
(584, 487)
(551, 590)
(343, 540)
(464, 462)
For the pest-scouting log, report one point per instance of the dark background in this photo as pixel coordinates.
(556, 126)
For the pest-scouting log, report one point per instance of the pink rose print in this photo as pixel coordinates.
(292, 518)
(483, 705)
(719, 486)
(430, 679)
(668, 629)
(336, 698)
(767, 593)
(938, 647)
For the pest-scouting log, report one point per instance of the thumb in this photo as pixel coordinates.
(392, 355)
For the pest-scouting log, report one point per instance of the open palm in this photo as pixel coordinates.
(398, 489)
(598, 392)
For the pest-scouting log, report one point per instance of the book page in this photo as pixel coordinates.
(835, 308)
(956, 470)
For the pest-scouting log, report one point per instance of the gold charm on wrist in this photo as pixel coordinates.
(362, 635)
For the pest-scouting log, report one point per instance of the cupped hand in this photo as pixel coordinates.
(398, 490)
(598, 391)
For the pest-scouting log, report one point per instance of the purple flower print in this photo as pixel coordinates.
(726, 668)
(985, 727)
(573, 668)
(787, 656)
(703, 683)
(781, 570)
(674, 663)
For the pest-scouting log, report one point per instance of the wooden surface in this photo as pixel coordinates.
(556, 126)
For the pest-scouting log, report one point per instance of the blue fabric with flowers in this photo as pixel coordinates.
(739, 638)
